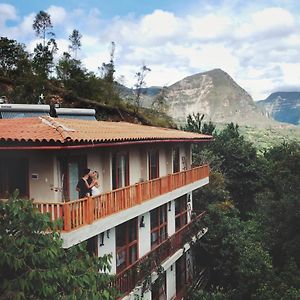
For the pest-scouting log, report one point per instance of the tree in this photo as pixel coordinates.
(15, 60)
(75, 39)
(33, 264)
(140, 85)
(110, 89)
(159, 103)
(242, 168)
(43, 52)
(237, 257)
(41, 25)
(279, 204)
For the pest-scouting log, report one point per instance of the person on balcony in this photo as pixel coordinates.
(95, 184)
(85, 184)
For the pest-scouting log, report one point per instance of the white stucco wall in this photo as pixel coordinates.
(135, 173)
(109, 247)
(144, 235)
(106, 170)
(171, 281)
(171, 218)
(42, 167)
(162, 162)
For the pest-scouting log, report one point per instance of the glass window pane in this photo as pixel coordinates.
(154, 218)
(121, 259)
(121, 235)
(132, 254)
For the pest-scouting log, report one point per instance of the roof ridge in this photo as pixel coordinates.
(60, 128)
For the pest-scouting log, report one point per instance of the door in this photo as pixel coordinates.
(13, 175)
(71, 168)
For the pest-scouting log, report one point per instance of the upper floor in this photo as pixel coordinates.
(44, 159)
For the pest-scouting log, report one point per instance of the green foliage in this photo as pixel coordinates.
(75, 39)
(195, 124)
(252, 203)
(139, 85)
(159, 103)
(34, 265)
(279, 204)
(14, 61)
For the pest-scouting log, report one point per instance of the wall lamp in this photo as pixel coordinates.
(142, 223)
(170, 205)
(101, 239)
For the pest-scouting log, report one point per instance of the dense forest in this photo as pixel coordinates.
(252, 248)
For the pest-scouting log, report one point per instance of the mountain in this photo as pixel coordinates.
(282, 106)
(216, 95)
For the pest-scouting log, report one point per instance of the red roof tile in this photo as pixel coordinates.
(46, 129)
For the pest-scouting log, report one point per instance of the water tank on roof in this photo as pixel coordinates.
(76, 113)
(13, 111)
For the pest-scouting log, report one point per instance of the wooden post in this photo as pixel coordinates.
(90, 210)
(67, 217)
(139, 193)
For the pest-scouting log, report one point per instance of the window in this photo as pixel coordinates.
(158, 219)
(153, 158)
(120, 170)
(159, 289)
(180, 273)
(71, 169)
(180, 212)
(176, 160)
(13, 175)
(126, 244)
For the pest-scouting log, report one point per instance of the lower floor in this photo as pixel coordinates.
(171, 282)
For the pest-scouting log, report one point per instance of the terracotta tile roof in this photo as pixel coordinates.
(47, 129)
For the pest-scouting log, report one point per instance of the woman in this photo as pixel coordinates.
(95, 184)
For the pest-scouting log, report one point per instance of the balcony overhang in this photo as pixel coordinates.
(83, 233)
(87, 217)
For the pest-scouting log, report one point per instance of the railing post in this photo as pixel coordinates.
(67, 216)
(90, 210)
(139, 193)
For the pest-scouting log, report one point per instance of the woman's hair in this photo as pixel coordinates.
(97, 174)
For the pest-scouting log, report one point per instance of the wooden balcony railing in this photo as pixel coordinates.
(87, 210)
(133, 275)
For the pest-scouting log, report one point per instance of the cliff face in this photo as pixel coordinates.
(282, 106)
(216, 95)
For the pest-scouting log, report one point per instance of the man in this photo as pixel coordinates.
(84, 184)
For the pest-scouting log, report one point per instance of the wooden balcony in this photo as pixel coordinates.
(133, 275)
(75, 214)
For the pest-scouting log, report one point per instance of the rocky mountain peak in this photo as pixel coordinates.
(216, 95)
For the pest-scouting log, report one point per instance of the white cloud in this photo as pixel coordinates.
(208, 27)
(160, 24)
(58, 14)
(7, 12)
(269, 22)
(259, 48)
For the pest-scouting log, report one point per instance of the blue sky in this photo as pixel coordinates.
(256, 42)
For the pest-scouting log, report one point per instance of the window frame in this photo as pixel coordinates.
(176, 159)
(115, 174)
(159, 293)
(156, 155)
(183, 212)
(161, 225)
(128, 245)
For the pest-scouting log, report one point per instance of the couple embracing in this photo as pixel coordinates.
(88, 184)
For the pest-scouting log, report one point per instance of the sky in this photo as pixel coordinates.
(256, 42)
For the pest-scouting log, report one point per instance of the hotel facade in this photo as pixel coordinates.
(144, 215)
